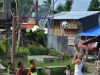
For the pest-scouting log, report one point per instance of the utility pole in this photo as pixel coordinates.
(13, 41)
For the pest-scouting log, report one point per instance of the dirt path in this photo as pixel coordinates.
(91, 66)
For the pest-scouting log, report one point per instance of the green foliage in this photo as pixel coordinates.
(59, 8)
(58, 71)
(37, 36)
(53, 52)
(1, 4)
(2, 51)
(65, 7)
(85, 68)
(34, 50)
(45, 9)
(43, 64)
(21, 54)
(66, 57)
(4, 42)
(25, 6)
(13, 5)
(94, 5)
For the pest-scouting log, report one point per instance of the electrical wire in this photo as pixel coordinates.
(50, 8)
(4, 37)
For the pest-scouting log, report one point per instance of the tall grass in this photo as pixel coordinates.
(55, 71)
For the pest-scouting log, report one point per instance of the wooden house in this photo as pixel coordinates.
(5, 20)
(62, 39)
(5, 10)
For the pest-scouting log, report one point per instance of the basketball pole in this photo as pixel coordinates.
(36, 8)
(14, 34)
(13, 42)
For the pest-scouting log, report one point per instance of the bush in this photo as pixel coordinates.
(1, 51)
(85, 68)
(34, 50)
(66, 57)
(53, 53)
(21, 54)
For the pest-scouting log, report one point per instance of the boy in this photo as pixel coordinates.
(33, 71)
(31, 65)
(9, 69)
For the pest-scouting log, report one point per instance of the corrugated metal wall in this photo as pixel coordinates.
(90, 22)
(59, 43)
(6, 14)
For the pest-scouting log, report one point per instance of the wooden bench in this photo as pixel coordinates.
(48, 69)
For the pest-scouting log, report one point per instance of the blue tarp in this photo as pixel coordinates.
(91, 32)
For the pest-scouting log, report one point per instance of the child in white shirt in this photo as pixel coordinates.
(67, 70)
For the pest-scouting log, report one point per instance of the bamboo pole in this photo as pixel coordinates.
(86, 51)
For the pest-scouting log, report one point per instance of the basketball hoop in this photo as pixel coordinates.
(29, 24)
(42, 23)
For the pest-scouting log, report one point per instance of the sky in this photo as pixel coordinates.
(78, 5)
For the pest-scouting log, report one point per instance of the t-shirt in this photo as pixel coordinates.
(67, 72)
(33, 14)
(98, 72)
(9, 70)
(20, 69)
(29, 71)
(35, 73)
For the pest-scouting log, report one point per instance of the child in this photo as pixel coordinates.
(20, 68)
(31, 65)
(9, 69)
(97, 72)
(67, 70)
(33, 71)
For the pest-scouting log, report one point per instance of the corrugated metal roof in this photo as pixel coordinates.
(74, 15)
(91, 32)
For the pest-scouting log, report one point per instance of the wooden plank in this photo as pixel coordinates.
(70, 42)
(50, 67)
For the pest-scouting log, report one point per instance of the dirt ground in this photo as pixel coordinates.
(91, 66)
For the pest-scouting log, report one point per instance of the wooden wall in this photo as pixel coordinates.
(73, 28)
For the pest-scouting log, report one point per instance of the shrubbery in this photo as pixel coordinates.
(38, 50)
(55, 71)
(34, 50)
(66, 56)
(21, 54)
(2, 51)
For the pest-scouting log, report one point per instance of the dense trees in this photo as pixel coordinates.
(94, 5)
(65, 7)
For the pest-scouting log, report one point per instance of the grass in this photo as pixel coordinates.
(39, 64)
(55, 71)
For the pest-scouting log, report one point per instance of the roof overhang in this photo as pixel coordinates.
(94, 39)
